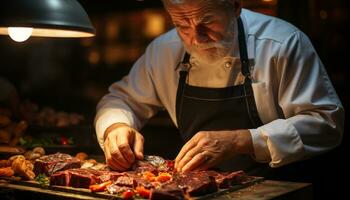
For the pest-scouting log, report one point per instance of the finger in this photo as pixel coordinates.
(124, 146)
(117, 155)
(188, 146)
(109, 159)
(127, 153)
(188, 157)
(199, 162)
(119, 158)
(138, 146)
(116, 166)
(106, 150)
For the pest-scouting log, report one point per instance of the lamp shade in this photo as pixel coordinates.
(48, 18)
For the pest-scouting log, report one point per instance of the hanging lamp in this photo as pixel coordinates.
(44, 18)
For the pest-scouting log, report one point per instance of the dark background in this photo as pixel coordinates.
(73, 74)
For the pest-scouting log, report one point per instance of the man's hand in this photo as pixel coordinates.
(122, 146)
(209, 148)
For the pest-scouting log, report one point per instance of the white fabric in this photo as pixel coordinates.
(296, 101)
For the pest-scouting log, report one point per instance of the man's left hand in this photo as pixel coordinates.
(209, 148)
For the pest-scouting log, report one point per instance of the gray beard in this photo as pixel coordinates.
(218, 50)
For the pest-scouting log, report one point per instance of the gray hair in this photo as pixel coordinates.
(175, 2)
(183, 1)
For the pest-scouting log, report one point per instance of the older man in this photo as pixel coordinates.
(243, 88)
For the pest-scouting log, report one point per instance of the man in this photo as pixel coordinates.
(242, 88)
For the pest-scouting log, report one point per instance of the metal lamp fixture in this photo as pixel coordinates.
(44, 18)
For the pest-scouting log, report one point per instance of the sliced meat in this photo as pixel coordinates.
(82, 178)
(107, 175)
(196, 183)
(169, 191)
(143, 166)
(55, 162)
(126, 181)
(61, 178)
(226, 179)
(229, 179)
(140, 181)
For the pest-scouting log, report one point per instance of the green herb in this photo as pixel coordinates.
(42, 180)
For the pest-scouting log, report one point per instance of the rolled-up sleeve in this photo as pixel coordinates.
(313, 117)
(132, 100)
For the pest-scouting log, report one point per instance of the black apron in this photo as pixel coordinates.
(214, 109)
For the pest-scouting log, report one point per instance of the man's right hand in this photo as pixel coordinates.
(122, 146)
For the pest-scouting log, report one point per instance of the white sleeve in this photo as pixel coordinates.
(132, 100)
(313, 115)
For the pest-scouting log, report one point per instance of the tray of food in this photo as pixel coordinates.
(151, 178)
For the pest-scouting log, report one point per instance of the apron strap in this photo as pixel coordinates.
(243, 50)
(184, 67)
(248, 90)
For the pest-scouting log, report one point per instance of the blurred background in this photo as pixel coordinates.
(61, 80)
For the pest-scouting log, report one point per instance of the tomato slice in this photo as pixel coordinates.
(148, 176)
(100, 187)
(128, 194)
(163, 177)
(143, 192)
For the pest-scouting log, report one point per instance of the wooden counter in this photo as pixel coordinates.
(267, 189)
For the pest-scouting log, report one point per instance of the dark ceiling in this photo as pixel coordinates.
(105, 6)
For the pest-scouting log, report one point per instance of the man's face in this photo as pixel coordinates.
(206, 29)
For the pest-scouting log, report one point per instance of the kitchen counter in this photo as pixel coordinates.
(267, 189)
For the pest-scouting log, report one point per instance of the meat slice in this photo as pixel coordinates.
(61, 178)
(226, 179)
(55, 162)
(126, 181)
(140, 181)
(169, 191)
(196, 183)
(109, 175)
(143, 166)
(82, 178)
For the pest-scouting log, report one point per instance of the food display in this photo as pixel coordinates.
(151, 178)
(48, 116)
(10, 130)
(30, 126)
(21, 166)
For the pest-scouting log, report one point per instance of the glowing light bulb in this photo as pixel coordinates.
(20, 34)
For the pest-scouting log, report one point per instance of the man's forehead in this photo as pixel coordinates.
(197, 8)
(177, 2)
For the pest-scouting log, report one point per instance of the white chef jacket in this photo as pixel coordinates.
(300, 110)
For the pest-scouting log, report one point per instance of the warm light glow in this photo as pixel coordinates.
(155, 24)
(20, 34)
(48, 32)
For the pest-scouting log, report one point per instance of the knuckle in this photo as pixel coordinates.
(115, 154)
(207, 141)
(123, 146)
(204, 142)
